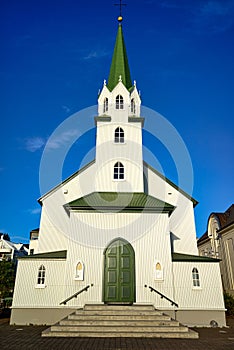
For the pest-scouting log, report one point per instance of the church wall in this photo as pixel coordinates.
(208, 296)
(54, 219)
(28, 294)
(151, 248)
(146, 232)
(182, 222)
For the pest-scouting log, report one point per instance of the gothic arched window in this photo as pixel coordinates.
(79, 271)
(119, 102)
(105, 105)
(41, 275)
(196, 280)
(119, 135)
(118, 171)
(133, 106)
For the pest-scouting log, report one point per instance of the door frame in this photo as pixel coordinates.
(125, 242)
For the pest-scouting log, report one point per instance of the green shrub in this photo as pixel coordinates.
(229, 304)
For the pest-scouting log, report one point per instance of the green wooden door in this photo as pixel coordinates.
(119, 274)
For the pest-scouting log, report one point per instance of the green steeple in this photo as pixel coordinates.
(119, 65)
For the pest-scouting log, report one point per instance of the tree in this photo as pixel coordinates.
(7, 278)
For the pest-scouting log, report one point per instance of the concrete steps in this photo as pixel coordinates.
(119, 321)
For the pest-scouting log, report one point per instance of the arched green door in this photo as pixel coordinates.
(119, 272)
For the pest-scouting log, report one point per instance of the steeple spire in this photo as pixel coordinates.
(119, 65)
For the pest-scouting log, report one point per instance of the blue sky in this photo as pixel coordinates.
(54, 57)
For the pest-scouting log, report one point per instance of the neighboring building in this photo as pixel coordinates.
(218, 242)
(33, 245)
(11, 251)
(118, 226)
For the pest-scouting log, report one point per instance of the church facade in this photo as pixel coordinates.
(117, 231)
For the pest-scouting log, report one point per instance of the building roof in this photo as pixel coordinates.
(121, 202)
(119, 65)
(225, 219)
(178, 257)
(48, 255)
(203, 238)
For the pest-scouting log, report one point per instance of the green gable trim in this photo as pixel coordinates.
(195, 202)
(50, 255)
(136, 120)
(120, 202)
(119, 65)
(103, 118)
(177, 257)
(40, 200)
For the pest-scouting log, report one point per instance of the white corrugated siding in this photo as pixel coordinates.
(209, 295)
(182, 222)
(27, 295)
(152, 244)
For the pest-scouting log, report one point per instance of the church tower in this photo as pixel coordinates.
(104, 239)
(119, 128)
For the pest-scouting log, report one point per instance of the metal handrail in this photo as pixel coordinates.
(162, 295)
(85, 289)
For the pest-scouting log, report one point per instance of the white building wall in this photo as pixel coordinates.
(128, 153)
(26, 292)
(151, 243)
(182, 222)
(54, 225)
(33, 245)
(208, 296)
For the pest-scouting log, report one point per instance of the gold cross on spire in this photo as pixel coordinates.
(120, 18)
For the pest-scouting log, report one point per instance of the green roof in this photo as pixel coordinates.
(50, 255)
(121, 202)
(192, 258)
(119, 65)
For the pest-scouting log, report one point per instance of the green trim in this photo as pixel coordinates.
(120, 202)
(136, 120)
(50, 255)
(178, 257)
(67, 180)
(195, 202)
(119, 65)
(102, 118)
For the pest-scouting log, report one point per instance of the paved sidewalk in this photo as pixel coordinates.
(23, 338)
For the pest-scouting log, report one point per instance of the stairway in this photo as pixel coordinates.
(140, 321)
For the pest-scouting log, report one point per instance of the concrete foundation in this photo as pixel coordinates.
(198, 318)
(37, 316)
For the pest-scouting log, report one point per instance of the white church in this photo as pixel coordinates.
(117, 233)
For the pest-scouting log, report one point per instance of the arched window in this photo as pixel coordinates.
(119, 135)
(158, 273)
(196, 280)
(133, 106)
(41, 275)
(118, 171)
(119, 102)
(79, 271)
(105, 105)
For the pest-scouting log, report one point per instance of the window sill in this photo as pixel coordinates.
(40, 286)
(197, 288)
(118, 180)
